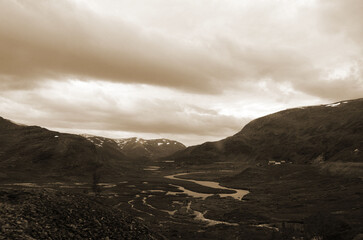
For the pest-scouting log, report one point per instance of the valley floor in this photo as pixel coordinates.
(284, 202)
(49, 214)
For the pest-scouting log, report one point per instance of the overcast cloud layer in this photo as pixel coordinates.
(189, 70)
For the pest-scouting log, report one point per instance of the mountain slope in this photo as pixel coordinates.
(137, 147)
(332, 132)
(31, 151)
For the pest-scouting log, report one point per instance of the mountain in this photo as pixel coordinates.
(330, 133)
(32, 152)
(137, 147)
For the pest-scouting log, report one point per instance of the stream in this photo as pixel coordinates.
(238, 193)
(199, 216)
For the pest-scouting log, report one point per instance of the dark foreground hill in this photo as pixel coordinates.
(47, 214)
(29, 152)
(329, 133)
(136, 148)
(32, 153)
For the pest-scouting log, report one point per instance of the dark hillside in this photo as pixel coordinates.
(30, 152)
(332, 132)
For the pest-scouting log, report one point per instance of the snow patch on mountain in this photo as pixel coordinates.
(138, 147)
(333, 104)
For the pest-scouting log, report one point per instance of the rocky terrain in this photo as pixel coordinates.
(49, 214)
(137, 148)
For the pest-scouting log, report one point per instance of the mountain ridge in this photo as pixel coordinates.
(138, 147)
(33, 152)
(299, 135)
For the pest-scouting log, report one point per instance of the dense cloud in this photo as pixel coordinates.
(59, 39)
(55, 40)
(343, 17)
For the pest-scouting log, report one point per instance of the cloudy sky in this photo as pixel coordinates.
(189, 70)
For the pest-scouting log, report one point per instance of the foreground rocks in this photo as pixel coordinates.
(49, 214)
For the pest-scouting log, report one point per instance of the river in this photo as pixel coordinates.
(238, 193)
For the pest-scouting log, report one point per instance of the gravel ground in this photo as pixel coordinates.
(49, 214)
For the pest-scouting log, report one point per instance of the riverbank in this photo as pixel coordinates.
(237, 194)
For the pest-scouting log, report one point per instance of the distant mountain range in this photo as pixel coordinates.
(32, 152)
(332, 132)
(138, 147)
(324, 133)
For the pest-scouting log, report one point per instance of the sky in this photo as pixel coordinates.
(187, 70)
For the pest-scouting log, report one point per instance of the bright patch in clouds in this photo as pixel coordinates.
(192, 71)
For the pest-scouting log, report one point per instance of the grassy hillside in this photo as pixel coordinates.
(325, 133)
(32, 152)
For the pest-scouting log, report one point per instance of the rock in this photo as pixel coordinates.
(58, 215)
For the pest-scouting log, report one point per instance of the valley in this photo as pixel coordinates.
(280, 177)
(181, 120)
(188, 203)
